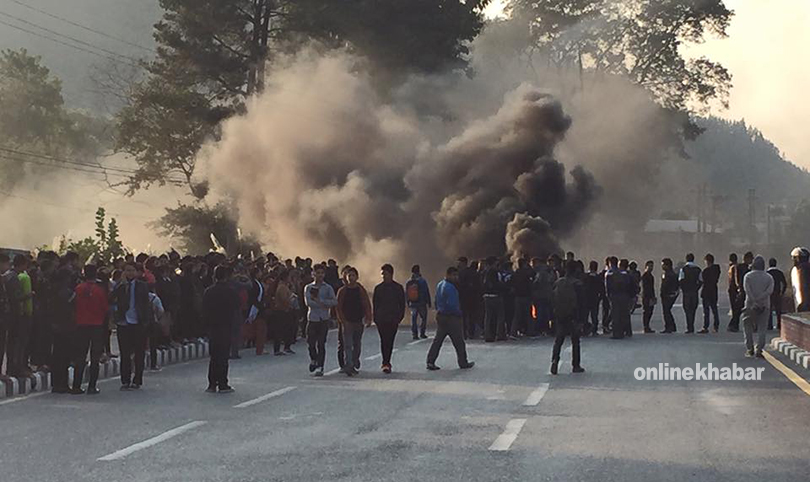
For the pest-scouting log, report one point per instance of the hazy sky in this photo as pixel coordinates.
(767, 52)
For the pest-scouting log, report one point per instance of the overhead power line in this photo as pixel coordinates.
(83, 27)
(37, 34)
(68, 37)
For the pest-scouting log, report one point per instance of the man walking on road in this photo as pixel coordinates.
(353, 310)
(758, 287)
(220, 305)
(566, 318)
(449, 321)
(319, 298)
(419, 301)
(133, 314)
(389, 309)
(709, 294)
(690, 280)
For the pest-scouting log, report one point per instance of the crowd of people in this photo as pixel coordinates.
(54, 312)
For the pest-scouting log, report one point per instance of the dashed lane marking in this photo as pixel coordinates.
(152, 441)
(536, 396)
(261, 399)
(507, 438)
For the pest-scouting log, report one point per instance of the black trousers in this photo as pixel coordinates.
(283, 329)
(19, 333)
(4, 338)
(64, 343)
(472, 318)
(219, 349)
(132, 344)
(690, 306)
(566, 328)
(87, 338)
(452, 326)
(736, 309)
(494, 325)
(669, 320)
(388, 333)
(647, 313)
(41, 341)
(709, 308)
(316, 339)
(606, 315)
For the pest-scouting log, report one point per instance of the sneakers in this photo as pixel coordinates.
(703, 332)
(467, 365)
(211, 389)
(93, 390)
(157, 368)
(432, 367)
(749, 354)
(125, 387)
(386, 369)
(135, 386)
(319, 372)
(578, 369)
(649, 331)
(415, 337)
(279, 353)
(76, 391)
(759, 354)
(312, 367)
(226, 389)
(554, 368)
(423, 336)
(289, 351)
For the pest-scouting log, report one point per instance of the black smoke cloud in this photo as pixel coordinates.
(321, 166)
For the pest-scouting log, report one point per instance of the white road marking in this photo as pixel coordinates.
(24, 397)
(416, 342)
(152, 441)
(507, 438)
(332, 372)
(536, 396)
(275, 394)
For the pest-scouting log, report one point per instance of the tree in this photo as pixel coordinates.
(639, 39)
(108, 244)
(35, 126)
(194, 226)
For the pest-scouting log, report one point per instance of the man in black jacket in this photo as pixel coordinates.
(389, 309)
(594, 288)
(221, 306)
(648, 298)
(494, 324)
(779, 289)
(690, 280)
(133, 315)
(522, 280)
(709, 294)
(669, 293)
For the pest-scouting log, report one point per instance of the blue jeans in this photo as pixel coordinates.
(416, 312)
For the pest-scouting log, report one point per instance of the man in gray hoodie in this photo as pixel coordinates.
(758, 285)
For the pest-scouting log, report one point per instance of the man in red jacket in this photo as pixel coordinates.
(91, 314)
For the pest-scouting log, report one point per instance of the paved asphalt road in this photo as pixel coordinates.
(506, 419)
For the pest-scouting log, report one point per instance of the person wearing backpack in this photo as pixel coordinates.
(566, 313)
(418, 293)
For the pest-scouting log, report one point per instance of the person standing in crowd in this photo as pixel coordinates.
(709, 294)
(133, 314)
(635, 275)
(690, 280)
(494, 325)
(607, 315)
(6, 313)
(566, 316)
(758, 286)
(542, 287)
(734, 322)
(319, 298)
(221, 305)
(449, 321)
(620, 289)
(594, 289)
(282, 317)
(19, 297)
(779, 289)
(506, 272)
(389, 310)
(800, 278)
(91, 313)
(739, 275)
(648, 299)
(353, 310)
(669, 294)
(63, 318)
(466, 291)
(418, 293)
(522, 280)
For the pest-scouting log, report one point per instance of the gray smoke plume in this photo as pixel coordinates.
(321, 166)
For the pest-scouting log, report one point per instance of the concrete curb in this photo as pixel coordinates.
(796, 354)
(41, 381)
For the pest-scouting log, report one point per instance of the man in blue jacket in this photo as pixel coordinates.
(449, 320)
